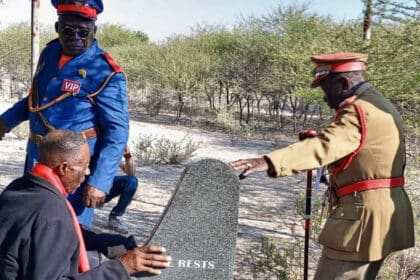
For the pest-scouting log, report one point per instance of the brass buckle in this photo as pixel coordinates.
(37, 138)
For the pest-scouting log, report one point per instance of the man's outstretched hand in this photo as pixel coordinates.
(93, 197)
(250, 165)
(145, 259)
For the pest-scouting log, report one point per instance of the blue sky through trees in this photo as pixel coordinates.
(162, 18)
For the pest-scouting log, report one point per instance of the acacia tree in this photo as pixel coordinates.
(394, 63)
(220, 46)
(15, 58)
(112, 35)
(178, 67)
(126, 46)
(300, 35)
(253, 66)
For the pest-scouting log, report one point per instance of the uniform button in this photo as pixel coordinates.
(54, 78)
(45, 99)
(283, 169)
(342, 214)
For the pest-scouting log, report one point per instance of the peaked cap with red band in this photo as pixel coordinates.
(337, 63)
(84, 8)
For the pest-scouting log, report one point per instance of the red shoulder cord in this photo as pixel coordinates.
(347, 160)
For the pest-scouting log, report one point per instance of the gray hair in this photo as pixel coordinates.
(60, 145)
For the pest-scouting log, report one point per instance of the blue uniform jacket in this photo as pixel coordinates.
(78, 113)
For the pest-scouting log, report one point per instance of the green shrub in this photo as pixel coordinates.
(283, 258)
(226, 121)
(155, 101)
(152, 150)
(277, 258)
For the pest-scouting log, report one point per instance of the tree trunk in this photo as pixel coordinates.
(180, 106)
(367, 21)
(220, 93)
(258, 98)
(227, 94)
(281, 108)
(35, 36)
(293, 104)
(210, 98)
(240, 110)
(11, 87)
(248, 109)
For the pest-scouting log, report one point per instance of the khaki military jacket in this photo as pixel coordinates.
(367, 225)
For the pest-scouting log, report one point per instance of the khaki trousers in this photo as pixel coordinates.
(329, 269)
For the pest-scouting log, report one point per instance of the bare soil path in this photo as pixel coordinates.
(266, 204)
(261, 198)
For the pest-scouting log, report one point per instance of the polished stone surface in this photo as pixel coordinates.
(199, 225)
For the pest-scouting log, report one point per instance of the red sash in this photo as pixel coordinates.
(47, 173)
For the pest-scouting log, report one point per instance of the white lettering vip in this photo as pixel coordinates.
(71, 86)
(196, 264)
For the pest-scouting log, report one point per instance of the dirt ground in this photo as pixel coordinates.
(262, 199)
(265, 206)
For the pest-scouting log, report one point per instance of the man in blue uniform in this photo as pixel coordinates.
(79, 87)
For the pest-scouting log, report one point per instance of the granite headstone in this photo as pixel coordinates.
(198, 227)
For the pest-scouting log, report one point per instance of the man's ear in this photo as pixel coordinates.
(344, 82)
(95, 28)
(62, 168)
(56, 26)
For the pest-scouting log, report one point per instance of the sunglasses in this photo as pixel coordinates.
(71, 31)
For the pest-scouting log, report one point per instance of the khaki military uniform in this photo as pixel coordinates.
(367, 142)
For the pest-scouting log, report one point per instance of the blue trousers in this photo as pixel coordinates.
(125, 187)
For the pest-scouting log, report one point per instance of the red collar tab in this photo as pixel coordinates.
(49, 174)
(79, 8)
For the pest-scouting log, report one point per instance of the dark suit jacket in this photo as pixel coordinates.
(37, 237)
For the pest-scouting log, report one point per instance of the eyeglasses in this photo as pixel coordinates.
(71, 31)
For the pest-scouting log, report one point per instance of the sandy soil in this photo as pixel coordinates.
(263, 201)
(266, 204)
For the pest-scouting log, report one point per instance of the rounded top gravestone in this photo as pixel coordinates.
(198, 227)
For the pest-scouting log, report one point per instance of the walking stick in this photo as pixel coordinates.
(307, 223)
(303, 135)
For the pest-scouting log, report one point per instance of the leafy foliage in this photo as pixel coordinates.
(111, 35)
(15, 58)
(260, 70)
(152, 150)
(277, 258)
(256, 74)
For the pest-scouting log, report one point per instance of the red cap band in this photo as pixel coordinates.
(348, 66)
(345, 66)
(336, 63)
(82, 10)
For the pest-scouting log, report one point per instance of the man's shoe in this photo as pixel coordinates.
(115, 224)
